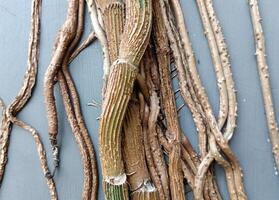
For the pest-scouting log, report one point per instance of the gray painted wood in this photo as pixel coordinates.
(24, 179)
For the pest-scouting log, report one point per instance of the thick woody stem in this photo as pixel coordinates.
(134, 156)
(183, 79)
(176, 183)
(119, 89)
(26, 90)
(150, 195)
(264, 78)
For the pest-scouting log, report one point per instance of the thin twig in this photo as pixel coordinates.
(264, 78)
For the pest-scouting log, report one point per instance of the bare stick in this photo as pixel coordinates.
(221, 81)
(264, 78)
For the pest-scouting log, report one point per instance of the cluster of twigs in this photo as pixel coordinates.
(147, 110)
(144, 152)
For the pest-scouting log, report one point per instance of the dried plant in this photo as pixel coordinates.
(264, 78)
(144, 153)
(10, 112)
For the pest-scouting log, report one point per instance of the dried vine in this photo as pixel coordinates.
(66, 43)
(10, 112)
(264, 78)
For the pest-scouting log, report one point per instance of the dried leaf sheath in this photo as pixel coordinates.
(134, 155)
(101, 35)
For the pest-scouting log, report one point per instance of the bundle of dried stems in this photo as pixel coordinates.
(144, 152)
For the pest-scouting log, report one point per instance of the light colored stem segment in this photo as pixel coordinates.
(264, 78)
(221, 81)
(101, 35)
(214, 125)
(224, 56)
